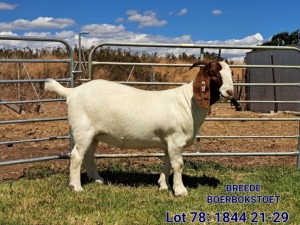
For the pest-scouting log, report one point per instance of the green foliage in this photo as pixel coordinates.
(283, 39)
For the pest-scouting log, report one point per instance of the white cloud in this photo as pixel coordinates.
(6, 6)
(148, 19)
(236, 54)
(114, 34)
(37, 34)
(119, 20)
(65, 34)
(100, 33)
(182, 12)
(103, 29)
(39, 23)
(7, 33)
(249, 40)
(216, 12)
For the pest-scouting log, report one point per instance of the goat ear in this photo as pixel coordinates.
(201, 89)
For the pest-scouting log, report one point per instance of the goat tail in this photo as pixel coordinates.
(53, 85)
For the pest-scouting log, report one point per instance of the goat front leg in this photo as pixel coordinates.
(164, 176)
(175, 154)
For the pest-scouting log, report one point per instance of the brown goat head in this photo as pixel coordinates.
(207, 83)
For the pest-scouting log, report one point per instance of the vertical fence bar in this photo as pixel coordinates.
(299, 147)
(202, 54)
(72, 143)
(274, 87)
(198, 142)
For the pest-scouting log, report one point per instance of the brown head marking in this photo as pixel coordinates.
(207, 83)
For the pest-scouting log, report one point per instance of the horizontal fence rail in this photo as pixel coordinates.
(32, 81)
(32, 101)
(189, 65)
(155, 155)
(36, 60)
(34, 140)
(207, 119)
(92, 63)
(33, 120)
(273, 136)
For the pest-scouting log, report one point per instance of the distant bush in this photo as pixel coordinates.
(119, 72)
(43, 70)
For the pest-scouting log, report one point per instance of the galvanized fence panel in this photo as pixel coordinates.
(198, 152)
(70, 80)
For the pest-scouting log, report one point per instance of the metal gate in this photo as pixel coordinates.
(92, 64)
(38, 100)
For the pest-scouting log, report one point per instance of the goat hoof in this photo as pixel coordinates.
(164, 188)
(180, 191)
(100, 181)
(77, 189)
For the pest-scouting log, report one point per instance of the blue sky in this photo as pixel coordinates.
(164, 21)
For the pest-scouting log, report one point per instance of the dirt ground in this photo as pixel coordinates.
(60, 128)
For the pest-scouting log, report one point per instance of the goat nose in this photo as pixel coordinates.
(230, 92)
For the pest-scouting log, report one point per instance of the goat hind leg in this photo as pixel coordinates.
(90, 165)
(83, 140)
(75, 165)
(164, 176)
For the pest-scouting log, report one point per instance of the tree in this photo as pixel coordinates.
(283, 39)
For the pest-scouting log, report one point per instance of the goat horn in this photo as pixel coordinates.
(199, 63)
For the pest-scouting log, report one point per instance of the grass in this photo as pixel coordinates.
(42, 196)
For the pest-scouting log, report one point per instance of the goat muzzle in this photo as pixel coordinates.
(228, 95)
(230, 92)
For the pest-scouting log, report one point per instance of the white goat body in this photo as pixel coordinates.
(127, 117)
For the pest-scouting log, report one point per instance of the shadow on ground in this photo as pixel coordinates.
(134, 179)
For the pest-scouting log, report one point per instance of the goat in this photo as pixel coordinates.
(131, 118)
